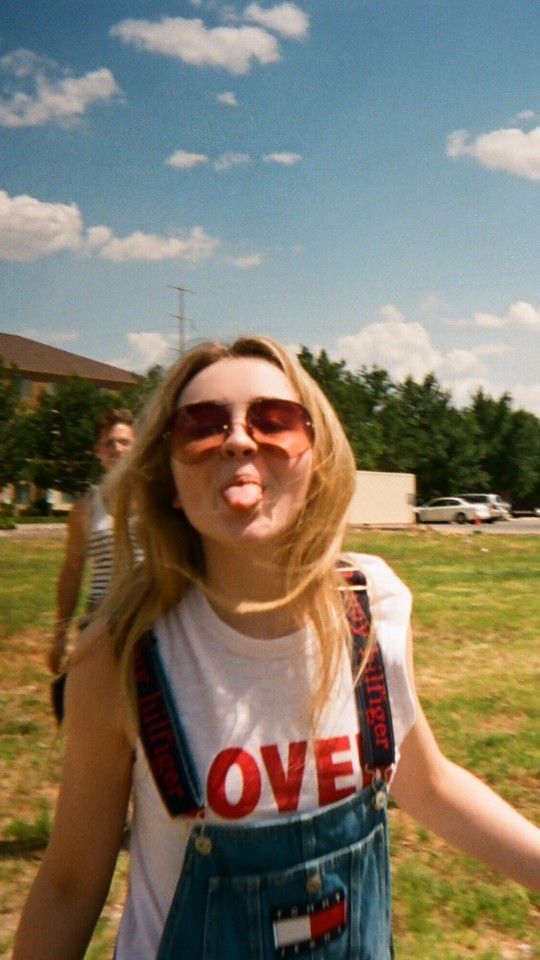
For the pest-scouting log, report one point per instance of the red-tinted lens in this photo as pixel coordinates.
(282, 424)
(198, 428)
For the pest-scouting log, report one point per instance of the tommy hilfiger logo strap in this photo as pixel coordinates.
(372, 698)
(165, 742)
(162, 735)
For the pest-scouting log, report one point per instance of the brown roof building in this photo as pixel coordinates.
(42, 364)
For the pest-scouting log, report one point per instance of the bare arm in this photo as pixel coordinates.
(69, 581)
(463, 810)
(74, 878)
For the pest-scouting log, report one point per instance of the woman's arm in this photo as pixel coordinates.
(69, 580)
(73, 881)
(462, 809)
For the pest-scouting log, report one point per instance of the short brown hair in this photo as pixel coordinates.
(106, 421)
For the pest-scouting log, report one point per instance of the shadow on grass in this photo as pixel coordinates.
(23, 847)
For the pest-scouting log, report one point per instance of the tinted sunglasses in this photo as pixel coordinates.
(280, 426)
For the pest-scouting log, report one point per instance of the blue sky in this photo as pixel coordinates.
(359, 175)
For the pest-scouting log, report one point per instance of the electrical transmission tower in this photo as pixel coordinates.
(180, 317)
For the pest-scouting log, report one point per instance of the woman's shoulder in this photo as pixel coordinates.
(95, 678)
(384, 584)
(372, 565)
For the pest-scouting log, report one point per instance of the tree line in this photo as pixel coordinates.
(411, 427)
(414, 427)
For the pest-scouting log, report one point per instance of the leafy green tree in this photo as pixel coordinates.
(522, 468)
(494, 420)
(11, 449)
(61, 435)
(511, 457)
(137, 396)
(355, 401)
(425, 435)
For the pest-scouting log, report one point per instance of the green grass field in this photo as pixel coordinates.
(476, 620)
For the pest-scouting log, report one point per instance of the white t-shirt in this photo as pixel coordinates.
(244, 705)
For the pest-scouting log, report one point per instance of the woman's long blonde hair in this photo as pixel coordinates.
(172, 548)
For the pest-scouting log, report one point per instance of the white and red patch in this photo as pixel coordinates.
(301, 928)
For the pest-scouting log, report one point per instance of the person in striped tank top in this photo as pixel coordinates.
(89, 535)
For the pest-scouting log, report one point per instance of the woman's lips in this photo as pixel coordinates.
(242, 493)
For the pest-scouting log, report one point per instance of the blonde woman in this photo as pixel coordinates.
(219, 688)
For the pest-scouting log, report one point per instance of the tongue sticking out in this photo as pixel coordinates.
(243, 496)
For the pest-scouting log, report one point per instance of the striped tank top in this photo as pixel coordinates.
(100, 548)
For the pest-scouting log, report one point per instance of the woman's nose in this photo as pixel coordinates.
(238, 441)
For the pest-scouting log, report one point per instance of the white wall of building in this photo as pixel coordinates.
(383, 499)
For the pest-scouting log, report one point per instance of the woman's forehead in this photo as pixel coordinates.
(238, 379)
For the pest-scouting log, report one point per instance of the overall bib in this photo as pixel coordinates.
(314, 885)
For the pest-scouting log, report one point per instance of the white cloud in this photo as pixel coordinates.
(460, 364)
(509, 149)
(430, 303)
(194, 248)
(182, 160)
(404, 349)
(22, 63)
(30, 228)
(493, 349)
(488, 320)
(520, 314)
(528, 116)
(391, 313)
(233, 49)
(229, 160)
(227, 98)
(285, 18)
(245, 263)
(96, 238)
(147, 349)
(286, 159)
(48, 100)
(527, 397)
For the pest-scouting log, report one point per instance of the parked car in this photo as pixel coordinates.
(525, 509)
(498, 508)
(452, 510)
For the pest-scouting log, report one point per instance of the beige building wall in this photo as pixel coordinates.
(383, 499)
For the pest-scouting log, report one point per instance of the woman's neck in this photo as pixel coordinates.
(242, 579)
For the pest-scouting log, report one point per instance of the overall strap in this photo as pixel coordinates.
(372, 698)
(162, 735)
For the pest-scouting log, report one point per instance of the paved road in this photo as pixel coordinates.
(35, 531)
(525, 525)
(517, 525)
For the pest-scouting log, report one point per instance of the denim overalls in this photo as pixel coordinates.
(313, 885)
